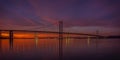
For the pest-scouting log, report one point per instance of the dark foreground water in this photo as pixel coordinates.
(54, 49)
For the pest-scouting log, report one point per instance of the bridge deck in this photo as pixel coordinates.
(52, 32)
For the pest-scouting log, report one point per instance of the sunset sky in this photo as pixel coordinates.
(82, 16)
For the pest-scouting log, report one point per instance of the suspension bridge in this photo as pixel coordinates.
(60, 32)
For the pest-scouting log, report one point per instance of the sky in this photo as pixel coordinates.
(81, 16)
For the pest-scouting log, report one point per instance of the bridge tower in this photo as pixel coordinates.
(11, 38)
(11, 35)
(60, 29)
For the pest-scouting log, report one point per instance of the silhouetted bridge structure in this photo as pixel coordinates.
(60, 32)
(11, 32)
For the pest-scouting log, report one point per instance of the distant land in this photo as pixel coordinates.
(113, 36)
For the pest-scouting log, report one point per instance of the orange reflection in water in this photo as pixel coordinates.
(49, 48)
(23, 45)
(4, 45)
(29, 47)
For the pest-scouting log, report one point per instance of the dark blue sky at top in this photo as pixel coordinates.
(78, 15)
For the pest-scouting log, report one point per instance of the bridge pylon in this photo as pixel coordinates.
(60, 29)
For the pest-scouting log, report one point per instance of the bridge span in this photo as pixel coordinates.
(12, 31)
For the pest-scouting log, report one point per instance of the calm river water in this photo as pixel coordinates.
(55, 49)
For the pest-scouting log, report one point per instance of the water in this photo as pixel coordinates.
(54, 49)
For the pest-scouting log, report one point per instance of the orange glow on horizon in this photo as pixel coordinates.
(29, 35)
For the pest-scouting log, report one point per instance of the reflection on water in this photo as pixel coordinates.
(59, 49)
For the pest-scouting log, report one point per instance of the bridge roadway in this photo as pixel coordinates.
(51, 32)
